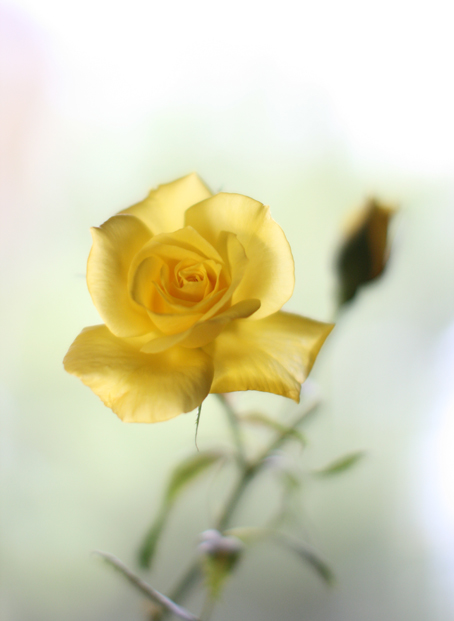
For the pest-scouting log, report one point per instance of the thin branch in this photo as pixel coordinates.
(193, 574)
(249, 471)
(192, 577)
(235, 427)
(284, 434)
(146, 589)
(235, 497)
(208, 607)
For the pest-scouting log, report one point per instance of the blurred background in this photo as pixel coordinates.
(309, 107)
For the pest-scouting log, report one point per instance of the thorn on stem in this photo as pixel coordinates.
(199, 411)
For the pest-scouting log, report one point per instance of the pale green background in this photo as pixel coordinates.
(309, 108)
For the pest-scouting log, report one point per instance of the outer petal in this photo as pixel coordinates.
(163, 209)
(269, 276)
(274, 354)
(115, 244)
(139, 387)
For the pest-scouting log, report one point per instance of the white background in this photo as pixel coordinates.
(308, 107)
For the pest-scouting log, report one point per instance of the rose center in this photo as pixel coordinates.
(179, 274)
(193, 274)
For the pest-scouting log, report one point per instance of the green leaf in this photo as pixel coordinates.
(341, 464)
(309, 555)
(188, 470)
(181, 477)
(251, 535)
(256, 418)
(148, 548)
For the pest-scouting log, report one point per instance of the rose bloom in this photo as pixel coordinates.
(190, 287)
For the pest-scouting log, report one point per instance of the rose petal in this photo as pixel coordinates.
(170, 315)
(139, 387)
(167, 251)
(163, 209)
(170, 249)
(174, 323)
(237, 263)
(269, 276)
(205, 331)
(274, 354)
(115, 244)
(170, 308)
(186, 239)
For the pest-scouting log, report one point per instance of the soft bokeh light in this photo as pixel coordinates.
(310, 108)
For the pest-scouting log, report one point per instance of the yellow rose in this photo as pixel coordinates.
(189, 286)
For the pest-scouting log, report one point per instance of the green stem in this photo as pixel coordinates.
(208, 607)
(235, 497)
(193, 575)
(235, 429)
(285, 434)
(248, 472)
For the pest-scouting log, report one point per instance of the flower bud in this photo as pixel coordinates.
(219, 555)
(364, 252)
(213, 544)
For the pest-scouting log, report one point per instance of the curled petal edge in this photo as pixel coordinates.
(274, 354)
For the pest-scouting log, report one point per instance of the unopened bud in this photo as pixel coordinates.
(219, 556)
(364, 252)
(214, 544)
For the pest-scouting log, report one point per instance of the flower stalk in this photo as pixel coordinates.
(248, 472)
(235, 429)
